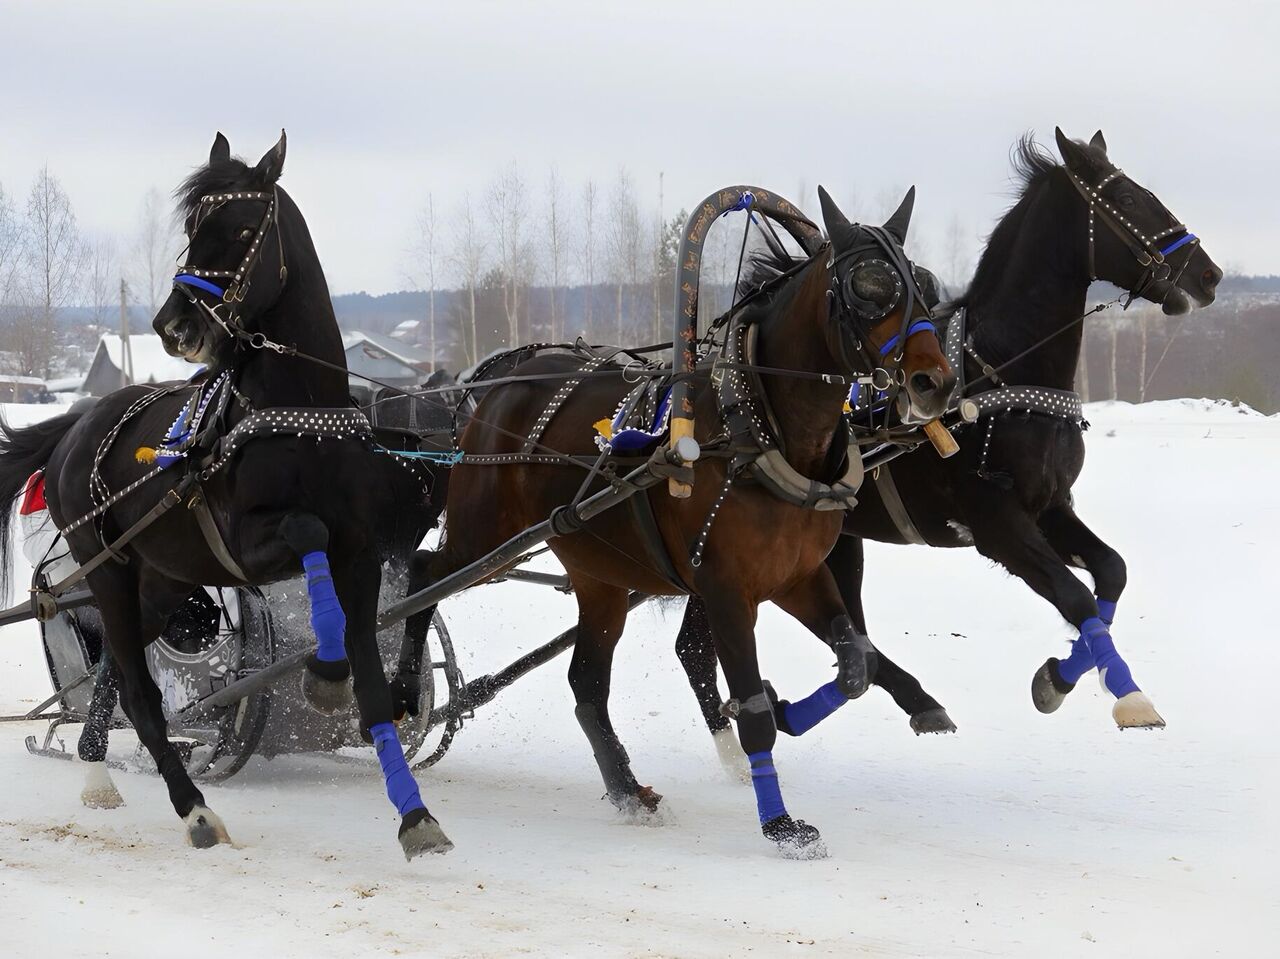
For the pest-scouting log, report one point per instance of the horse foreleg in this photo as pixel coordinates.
(602, 614)
(356, 581)
(1013, 539)
(406, 684)
(733, 620)
(847, 563)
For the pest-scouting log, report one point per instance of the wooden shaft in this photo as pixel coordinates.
(679, 429)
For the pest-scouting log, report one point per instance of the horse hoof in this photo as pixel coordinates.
(420, 834)
(932, 721)
(1048, 689)
(730, 755)
(99, 791)
(204, 829)
(1135, 711)
(327, 685)
(795, 838)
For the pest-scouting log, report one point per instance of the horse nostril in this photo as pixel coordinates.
(925, 383)
(1210, 279)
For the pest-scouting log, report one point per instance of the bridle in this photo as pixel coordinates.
(844, 302)
(1149, 251)
(189, 279)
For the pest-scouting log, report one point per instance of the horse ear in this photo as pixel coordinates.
(837, 223)
(221, 150)
(271, 165)
(1073, 154)
(1098, 142)
(897, 224)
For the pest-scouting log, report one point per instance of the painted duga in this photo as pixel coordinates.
(1008, 492)
(268, 466)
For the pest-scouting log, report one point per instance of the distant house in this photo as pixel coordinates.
(149, 362)
(23, 389)
(386, 359)
(407, 330)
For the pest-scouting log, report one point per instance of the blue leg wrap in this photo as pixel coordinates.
(1107, 611)
(327, 617)
(803, 715)
(1116, 678)
(1079, 662)
(401, 788)
(764, 778)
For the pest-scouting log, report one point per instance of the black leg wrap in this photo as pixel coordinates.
(855, 657)
(611, 757)
(757, 727)
(779, 708)
(304, 533)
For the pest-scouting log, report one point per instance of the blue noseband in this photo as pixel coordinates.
(186, 279)
(1178, 243)
(916, 327)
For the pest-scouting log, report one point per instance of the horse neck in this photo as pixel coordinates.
(1035, 286)
(795, 338)
(302, 316)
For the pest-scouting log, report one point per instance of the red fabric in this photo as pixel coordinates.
(33, 499)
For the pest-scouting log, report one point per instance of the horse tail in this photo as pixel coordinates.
(23, 451)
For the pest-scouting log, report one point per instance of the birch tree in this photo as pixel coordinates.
(508, 212)
(55, 253)
(155, 245)
(468, 261)
(589, 253)
(556, 247)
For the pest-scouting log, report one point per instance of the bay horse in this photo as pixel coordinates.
(843, 307)
(1008, 492)
(258, 471)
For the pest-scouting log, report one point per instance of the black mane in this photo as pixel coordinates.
(764, 265)
(1032, 166)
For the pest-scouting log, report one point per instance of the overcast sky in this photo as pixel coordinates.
(384, 102)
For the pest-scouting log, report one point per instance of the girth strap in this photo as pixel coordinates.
(894, 506)
(213, 535)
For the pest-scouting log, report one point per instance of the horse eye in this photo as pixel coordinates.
(1127, 201)
(246, 235)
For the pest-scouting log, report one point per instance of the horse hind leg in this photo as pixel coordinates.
(118, 594)
(697, 654)
(99, 790)
(602, 614)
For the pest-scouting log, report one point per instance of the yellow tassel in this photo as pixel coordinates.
(604, 428)
(145, 454)
(847, 407)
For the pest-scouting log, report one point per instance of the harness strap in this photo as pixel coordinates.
(198, 505)
(895, 507)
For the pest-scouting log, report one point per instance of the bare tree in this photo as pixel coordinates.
(1142, 356)
(556, 244)
(54, 255)
(957, 256)
(11, 252)
(423, 269)
(468, 261)
(1115, 343)
(507, 210)
(101, 279)
(589, 251)
(154, 246)
(625, 243)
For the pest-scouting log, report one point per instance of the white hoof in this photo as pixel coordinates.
(204, 828)
(732, 759)
(99, 791)
(1135, 711)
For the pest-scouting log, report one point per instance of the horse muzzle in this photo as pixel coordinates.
(925, 395)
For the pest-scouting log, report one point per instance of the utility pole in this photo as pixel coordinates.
(126, 351)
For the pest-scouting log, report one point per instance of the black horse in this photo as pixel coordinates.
(1008, 492)
(256, 472)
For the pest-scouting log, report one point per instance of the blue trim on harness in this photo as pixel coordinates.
(912, 330)
(626, 440)
(764, 779)
(402, 790)
(1178, 243)
(327, 618)
(200, 284)
(806, 713)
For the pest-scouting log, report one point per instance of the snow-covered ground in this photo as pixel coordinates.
(1022, 835)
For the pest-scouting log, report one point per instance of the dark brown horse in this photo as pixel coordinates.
(840, 309)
